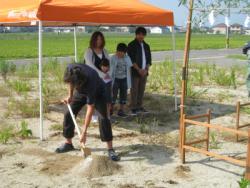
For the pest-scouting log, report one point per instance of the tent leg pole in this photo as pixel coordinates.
(40, 78)
(174, 69)
(75, 43)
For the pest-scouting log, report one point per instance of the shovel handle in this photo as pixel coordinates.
(74, 121)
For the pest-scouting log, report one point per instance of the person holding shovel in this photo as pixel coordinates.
(86, 88)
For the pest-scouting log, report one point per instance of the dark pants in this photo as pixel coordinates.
(101, 107)
(120, 86)
(108, 87)
(137, 91)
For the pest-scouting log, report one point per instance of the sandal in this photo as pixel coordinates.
(65, 148)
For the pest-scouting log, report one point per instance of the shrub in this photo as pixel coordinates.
(244, 183)
(6, 68)
(5, 134)
(24, 132)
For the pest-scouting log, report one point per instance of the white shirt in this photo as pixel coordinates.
(143, 57)
(99, 55)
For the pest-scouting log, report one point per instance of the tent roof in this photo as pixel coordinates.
(83, 12)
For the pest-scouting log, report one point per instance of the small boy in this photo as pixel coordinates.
(121, 75)
(105, 67)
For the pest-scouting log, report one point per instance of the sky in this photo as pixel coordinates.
(181, 13)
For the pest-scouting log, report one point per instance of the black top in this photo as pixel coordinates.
(135, 53)
(98, 60)
(94, 86)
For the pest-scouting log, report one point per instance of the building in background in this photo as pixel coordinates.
(219, 29)
(156, 30)
(237, 28)
(247, 30)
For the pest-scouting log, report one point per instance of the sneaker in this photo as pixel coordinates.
(113, 155)
(121, 113)
(143, 110)
(65, 148)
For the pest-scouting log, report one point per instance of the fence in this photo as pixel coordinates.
(238, 126)
(191, 120)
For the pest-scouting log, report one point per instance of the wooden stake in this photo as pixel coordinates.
(185, 64)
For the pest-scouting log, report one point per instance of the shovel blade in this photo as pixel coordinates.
(86, 151)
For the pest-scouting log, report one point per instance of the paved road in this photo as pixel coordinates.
(211, 56)
(218, 57)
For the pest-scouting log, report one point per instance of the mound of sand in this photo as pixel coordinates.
(98, 166)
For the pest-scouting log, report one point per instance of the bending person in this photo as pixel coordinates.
(89, 89)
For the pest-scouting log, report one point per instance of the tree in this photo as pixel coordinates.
(221, 7)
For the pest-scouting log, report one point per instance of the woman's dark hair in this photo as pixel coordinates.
(74, 76)
(104, 62)
(122, 47)
(141, 30)
(93, 40)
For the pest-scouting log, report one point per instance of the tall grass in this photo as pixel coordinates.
(161, 78)
(26, 108)
(6, 68)
(20, 86)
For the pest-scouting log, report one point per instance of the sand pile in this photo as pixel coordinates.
(98, 166)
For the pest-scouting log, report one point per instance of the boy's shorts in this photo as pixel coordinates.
(108, 87)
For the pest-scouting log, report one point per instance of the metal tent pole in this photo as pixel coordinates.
(174, 68)
(75, 42)
(40, 77)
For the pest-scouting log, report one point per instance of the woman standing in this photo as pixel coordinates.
(94, 56)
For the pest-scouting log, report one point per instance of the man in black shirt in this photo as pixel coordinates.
(89, 89)
(140, 54)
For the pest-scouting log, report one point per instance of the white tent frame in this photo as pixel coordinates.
(40, 45)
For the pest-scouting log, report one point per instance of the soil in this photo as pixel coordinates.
(148, 160)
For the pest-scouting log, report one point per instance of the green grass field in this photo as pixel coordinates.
(24, 45)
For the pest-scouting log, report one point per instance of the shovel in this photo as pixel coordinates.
(85, 151)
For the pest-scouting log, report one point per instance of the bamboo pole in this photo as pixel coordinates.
(185, 65)
(246, 125)
(196, 142)
(218, 156)
(218, 127)
(247, 173)
(237, 119)
(198, 116)
(183, 141)
(245, 104)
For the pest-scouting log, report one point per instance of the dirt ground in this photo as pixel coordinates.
(147, 145)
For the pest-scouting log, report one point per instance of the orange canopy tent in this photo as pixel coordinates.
(82, 12)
